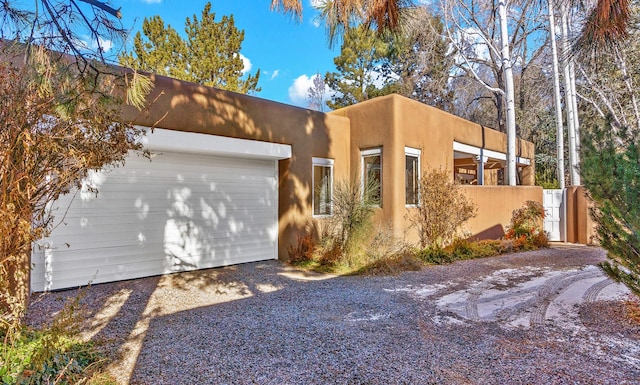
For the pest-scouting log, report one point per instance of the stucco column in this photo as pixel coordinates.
(480, 161)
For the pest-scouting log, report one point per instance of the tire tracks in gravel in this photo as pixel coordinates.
(525, 298)
(553, 288)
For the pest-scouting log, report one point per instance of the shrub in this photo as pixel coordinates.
(52, 354)
(392, 264)
(442, 210)
(526, 228)
(435, 256)
(489, 248)
(348, 242)
(345, 236)
(353, 209)
(462, 249)
(303, 250)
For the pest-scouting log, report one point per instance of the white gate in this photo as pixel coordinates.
(554, 221)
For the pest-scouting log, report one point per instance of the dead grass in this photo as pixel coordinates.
(633, 310)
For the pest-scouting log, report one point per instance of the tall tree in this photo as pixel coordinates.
(422, 59)
(556, 95)
(489, 36)
(60, 118)
(361, 68)
(210, 54)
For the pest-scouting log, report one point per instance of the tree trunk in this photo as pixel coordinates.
(571, 128)
(556, 96)
(509, 94)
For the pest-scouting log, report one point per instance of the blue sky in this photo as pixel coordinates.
(287, 51)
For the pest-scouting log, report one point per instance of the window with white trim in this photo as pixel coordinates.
(372, 174)
(322, 175)
(412, 176)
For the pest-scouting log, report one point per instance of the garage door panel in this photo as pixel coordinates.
(119, 263)
(177, 212)
(84, 249)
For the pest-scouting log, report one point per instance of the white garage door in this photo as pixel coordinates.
(177, 212)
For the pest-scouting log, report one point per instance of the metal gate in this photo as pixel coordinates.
(554, 221)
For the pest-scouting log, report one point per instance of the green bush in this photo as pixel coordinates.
(462, 249)
(434, 256)
(50, 355)
(41, 357)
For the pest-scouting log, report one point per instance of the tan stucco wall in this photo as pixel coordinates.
(580, 226)
(391, 122)
(394, 122)
(189, 107)
(495, 207)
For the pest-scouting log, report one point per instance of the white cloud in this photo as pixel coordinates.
(105, 44)
(299, 90)
(247, 64)
(317, 3)
(87, 43)
(152, 1)
(275, 74)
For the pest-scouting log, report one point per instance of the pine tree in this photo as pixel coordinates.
(364, 55)
(611, 173)
(210, 54)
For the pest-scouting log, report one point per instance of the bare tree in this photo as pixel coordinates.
(316, 93)
(487, 36)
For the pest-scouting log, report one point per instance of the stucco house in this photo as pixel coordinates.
(235, 178)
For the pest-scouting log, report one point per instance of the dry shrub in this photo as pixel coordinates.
(442, 211)
(393, 264)
(58, 121)
(303, 250)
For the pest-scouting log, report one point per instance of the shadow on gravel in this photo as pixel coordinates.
(266, 323)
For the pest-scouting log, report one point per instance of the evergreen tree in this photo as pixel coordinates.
(362, 68)
(423, 60)
(210, 54)
(611, 172)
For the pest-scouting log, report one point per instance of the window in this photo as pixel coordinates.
(411, 176)
(372, 174)
(322, 186)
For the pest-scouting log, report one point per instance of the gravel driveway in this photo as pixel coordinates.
(543, 317)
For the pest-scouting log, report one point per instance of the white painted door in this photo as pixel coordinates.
(553, 201)
(177, 212)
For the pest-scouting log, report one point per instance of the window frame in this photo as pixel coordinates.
(321, 162)
(415, 153)
(377, 151)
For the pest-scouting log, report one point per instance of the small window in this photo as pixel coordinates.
(372, 174)
(412, 176)
(322, 186)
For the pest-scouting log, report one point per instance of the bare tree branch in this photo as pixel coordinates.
(105, 7)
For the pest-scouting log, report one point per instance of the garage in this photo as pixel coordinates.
(201, 201)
